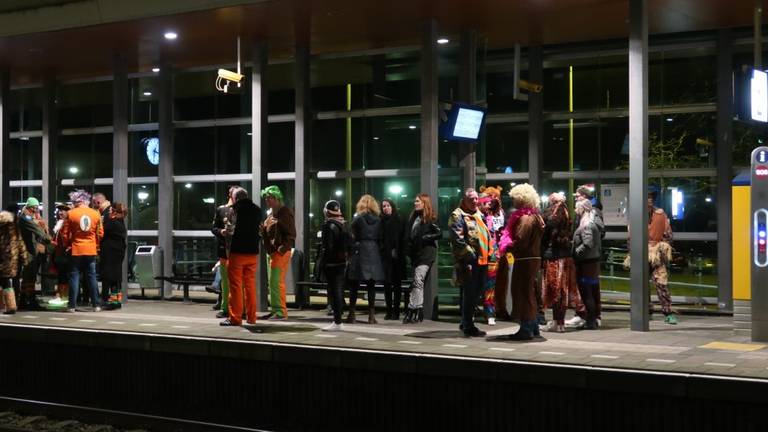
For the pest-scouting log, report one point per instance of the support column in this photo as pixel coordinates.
(724, 170)
(535, 117)
(120, 145)
(5, 127)
(303, 129)
(258, 151)
(429, 138)
(50, 135)
(165, 193)
(638, 162)
(468, 94)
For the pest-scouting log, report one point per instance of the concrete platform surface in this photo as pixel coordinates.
(697, 345)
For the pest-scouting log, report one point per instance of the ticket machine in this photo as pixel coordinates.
(759, 243)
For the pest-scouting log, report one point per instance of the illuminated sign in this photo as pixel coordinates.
(468, 123)
(678, 203)
(760, 227)
(759, 96)
(761, 171)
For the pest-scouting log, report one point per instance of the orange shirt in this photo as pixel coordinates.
(83, 231)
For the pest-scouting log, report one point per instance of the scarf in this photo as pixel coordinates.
(508, 237)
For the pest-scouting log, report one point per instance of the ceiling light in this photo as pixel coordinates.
(339, 193)
(73, 170)
(412, 127)
(170, 35)
(670, 119)
(142, 195)
(146, 93)
(155, 69)
(188, 185)
(375, 138)
(443, 41)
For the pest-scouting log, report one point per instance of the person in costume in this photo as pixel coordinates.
(660, 255)
(38, 242)
(221, 223)
(278, 232)
(490, 205)
(13, 253)
(82, 233)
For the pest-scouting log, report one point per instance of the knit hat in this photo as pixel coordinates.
(586, 190)
(32, 202)
(272, 191)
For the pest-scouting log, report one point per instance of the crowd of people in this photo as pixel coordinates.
(87, 229)
(542, 259)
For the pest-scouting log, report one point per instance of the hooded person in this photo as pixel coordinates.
(13, 252)
(334, 236)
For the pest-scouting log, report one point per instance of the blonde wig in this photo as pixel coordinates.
(524, 195)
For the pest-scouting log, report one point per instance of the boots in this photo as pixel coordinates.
(351, 319)
(408, 318)
(10, 301)
(526, 332)
(372, 316)
(419, 315)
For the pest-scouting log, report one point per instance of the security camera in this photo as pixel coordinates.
(227, 77)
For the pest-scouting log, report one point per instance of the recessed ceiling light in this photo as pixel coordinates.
(170, 35)
(375, 138)
(147, 93)
(412, 127)
(443, 41)
(155, 69)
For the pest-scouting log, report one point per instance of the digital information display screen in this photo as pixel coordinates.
(468, 123)
(759, 96)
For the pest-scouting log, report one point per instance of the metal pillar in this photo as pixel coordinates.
(758, 36)
(165, 193)
(638, 162)
(258, 151)
(535, 117)
(429, 138)
(468, 94)
(303, 128)
(50, 133)
(120, 145)
(724, 170)
(5, 127)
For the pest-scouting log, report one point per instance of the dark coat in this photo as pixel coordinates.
(112, 250)
(421, 241)
(33, 234)
(365, 262)
(393, 258)
(220, 221)
(557, 238)
(247, 216)
(12, 249)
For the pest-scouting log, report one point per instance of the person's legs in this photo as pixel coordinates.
(74, 282)
(224, 270)
(250, 264)
(397, 291)
(469, 297)
(235, 300)
(353, 287)
(89, 265)
(335, 276)
(8, 296)
(501, 286)
(278, 268)
(388, 299)
(371, 288)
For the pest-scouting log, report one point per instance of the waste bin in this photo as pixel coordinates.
(149, 265)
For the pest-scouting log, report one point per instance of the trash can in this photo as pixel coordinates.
(149, 265)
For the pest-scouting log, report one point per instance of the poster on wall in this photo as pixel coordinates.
(615, 198)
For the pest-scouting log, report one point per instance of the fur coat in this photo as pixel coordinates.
(12, 249)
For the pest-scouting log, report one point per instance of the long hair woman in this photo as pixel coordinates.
(422, 236)
(365, 262)
(112, 254)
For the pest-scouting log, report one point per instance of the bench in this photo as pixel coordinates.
(184, 281)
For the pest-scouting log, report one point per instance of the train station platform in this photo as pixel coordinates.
(172, 358)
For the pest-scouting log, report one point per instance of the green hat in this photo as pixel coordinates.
(32, 202)
(272, 191)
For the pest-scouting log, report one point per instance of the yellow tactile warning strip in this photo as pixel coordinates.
(733, 346)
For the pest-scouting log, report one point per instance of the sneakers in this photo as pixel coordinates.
(575, 322)
(670, 319)
(491, 321)
(599, 322)
(71, 310)
(277, 318)
(228, 323)
(549, 327)
(334, 327)
(97, 309)
(57, 301)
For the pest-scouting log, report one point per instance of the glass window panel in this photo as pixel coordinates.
(401, 190)
(556, 89)
(233, 149)
(697, 212)
(506, 147)
(500, 93)
(85, 105)
(194, 151)
(195, 205)
(26, 158)
(685, 141)
(689, 79)
(26, 111)
(280, 147)
(142, 207)
(556, 142)
(143, 153)
(281, 96)
(84, 156)
(196, 97)
(614, 143)
(746, 137)
(19, 195)
(143, 100)
(194, 255)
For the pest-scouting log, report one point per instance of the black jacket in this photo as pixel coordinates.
(365, 262)
(112, 250)
(247, 218)
(422, 241)
(220, 220)
(557, 240)
(393, 256)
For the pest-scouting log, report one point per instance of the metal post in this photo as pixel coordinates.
(120, 145)
(165, 201)
(429, 119)
(258, 151)
(724, 169)
(50, 133)
(303, 128)
(758, 37)
(468, 94)
(5, 127)
(638, 162)
(536, 117)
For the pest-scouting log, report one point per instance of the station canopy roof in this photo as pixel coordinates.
(79, 38)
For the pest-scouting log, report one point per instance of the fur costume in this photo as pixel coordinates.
(12, 249)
